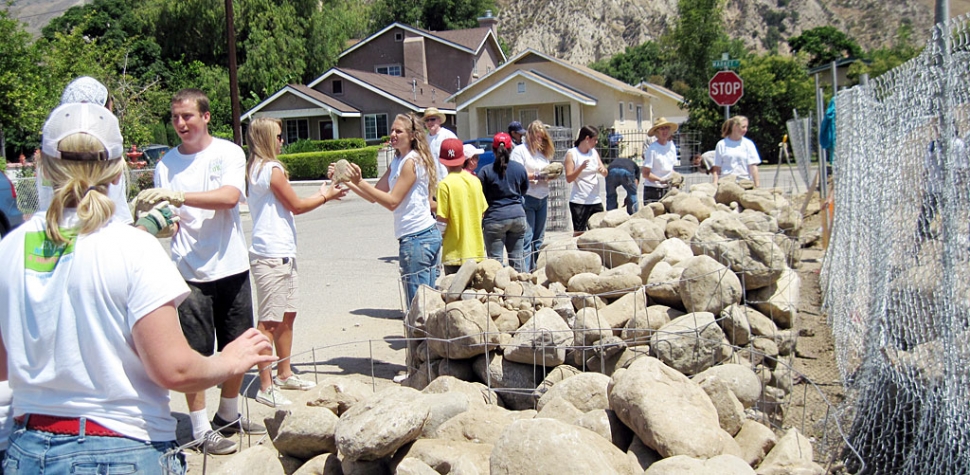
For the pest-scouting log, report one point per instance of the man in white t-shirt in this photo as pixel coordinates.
(205, 178)
(434, 121)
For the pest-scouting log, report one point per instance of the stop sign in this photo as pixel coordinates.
(726, 88)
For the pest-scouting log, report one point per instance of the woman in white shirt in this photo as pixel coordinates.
(582, 164)
(406, 190)
(735, 154)
(659, 160)
(92, 343)
(535, 153)
(272, 254)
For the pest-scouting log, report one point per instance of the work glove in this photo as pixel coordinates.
(551, 171)
(159, 220)
(154, 195)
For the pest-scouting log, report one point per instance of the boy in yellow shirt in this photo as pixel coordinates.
(461, 204)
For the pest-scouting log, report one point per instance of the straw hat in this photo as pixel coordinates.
(434, 112)
(662, 122)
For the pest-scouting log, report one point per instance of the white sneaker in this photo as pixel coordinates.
(272, 397)
(294, 382)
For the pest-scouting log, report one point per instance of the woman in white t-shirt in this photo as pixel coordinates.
(659, 161)
(91, 336)
(735, 154)
(272, 254)
(535, 153)
(582, 164)
(406, 190)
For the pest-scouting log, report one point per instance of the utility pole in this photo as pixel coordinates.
(233, 79)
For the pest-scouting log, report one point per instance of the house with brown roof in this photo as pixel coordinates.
(397, 70)
(533, 85)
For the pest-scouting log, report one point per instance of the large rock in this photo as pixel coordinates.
(326, 464)
(256, 459)
(520, 379)
(485, 274)
(305, 432)
(667, 411)
(585, 391)
(614, 246)
(728, 191)
(645, 232)
(779, 300)
(758, 221)
(663, 285)
(683, 229)
(766, 200)
(413, 466)
(426, 302)
(708, 285)
(631, 305)
(685, 204)
(443, 407)
(462, 329)
(450, 456)
(558, 374)
(753, 256)
(381, 424)
(542, 340)
(730, 411)
(792, 454)
(590, 326)
(642, 326)
(614, 218)
(481, 426)
(338, 394)
(562, 266)
(689, 343)
(684, 465)
(561, 410)
(551, 446)
(596, 284)
(605, 423)
(734, 322)
(742, 381)
(477, 394)
(671, 251)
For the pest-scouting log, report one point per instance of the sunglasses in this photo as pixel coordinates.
(279, 137)
(430, 119)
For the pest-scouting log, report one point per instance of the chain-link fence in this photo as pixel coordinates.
(896, 278)
(29, 193)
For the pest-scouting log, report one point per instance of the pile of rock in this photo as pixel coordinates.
(651, 342)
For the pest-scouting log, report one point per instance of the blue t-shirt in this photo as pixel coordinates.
(504, 195)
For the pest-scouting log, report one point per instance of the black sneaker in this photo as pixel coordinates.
(214, 443)
(241, 424)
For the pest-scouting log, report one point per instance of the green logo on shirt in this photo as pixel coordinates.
(41, 254)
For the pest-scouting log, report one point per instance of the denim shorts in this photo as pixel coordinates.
(31, 451)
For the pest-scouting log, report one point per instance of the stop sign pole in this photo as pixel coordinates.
(726, 88)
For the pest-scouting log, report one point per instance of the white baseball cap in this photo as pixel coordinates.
(87, 118)
(470, 150)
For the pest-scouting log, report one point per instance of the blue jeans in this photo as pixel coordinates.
(536, 210)
(419, 254)
(620, 177)
(510, 234)
(32, 451)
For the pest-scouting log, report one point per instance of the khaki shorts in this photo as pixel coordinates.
(276, 287)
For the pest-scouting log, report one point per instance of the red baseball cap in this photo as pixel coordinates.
(501, 138)
(452, 153)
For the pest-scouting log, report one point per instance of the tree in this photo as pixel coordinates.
(19, 77)
(698, 38)
(273, 42)
(434, 15)
(633, 65)
(884, 59)
(824, 44)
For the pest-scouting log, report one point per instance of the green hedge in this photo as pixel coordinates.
(304, 146)
(313, 165)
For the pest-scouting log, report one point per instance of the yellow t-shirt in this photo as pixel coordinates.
(462, 203)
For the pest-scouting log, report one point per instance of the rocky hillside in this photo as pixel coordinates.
(583, 31)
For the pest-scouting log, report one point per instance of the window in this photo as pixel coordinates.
(497, 120)
(388, 69)
(563, 118)
(398, 36)
(375, 126)
(337, 86)
(526, 116)
(630, 106)
(297, 129)
(639, 117)
(621, 111)
(326, 130)
(520, 87)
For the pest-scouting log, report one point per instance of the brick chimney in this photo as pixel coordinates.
(489, 21)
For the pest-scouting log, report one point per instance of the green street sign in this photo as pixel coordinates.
(726, 63)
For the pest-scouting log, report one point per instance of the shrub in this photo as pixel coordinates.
(313, 165)
(304, 146)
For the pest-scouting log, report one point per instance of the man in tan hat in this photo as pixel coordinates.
(433, 121)
(659, 160)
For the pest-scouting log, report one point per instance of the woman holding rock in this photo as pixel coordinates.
(736, 154)
(406, 189)
(272, 254)
(659, 161)
(535, 153)
(582, 165)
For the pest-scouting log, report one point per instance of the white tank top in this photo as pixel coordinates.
(414, 213)
(586, 187)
